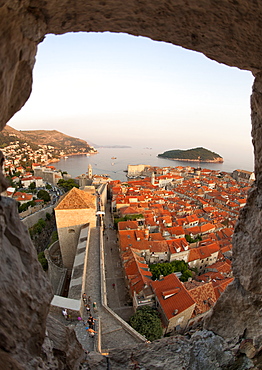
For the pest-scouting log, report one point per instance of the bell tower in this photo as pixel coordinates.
(90, 171)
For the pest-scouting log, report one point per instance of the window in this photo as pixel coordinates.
(71, 231)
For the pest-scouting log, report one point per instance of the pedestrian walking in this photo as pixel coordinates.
(65, 313)
(87, 308)
(91, 322)
(91, 332)
(84, 297)
(89, 300)
(113, 285)
(94, 307)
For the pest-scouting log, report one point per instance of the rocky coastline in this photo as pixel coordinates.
(216, 160)
(54, 160)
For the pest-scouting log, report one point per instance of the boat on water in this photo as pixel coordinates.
(113, 157)
(65, 157)
(87, 154)
(112, 163)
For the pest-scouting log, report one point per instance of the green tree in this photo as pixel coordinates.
(23, 207)
(43, 194)
(43, 260)
(41, 222)
(67, 184)
(167, 268)
(32, 186)
(54, 237)
(48, 216)
(147, 322)
(186, 275)
(48, 187)
(189, 239)
(127, 218)
(37, 229)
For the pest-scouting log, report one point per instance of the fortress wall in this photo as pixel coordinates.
(56, 274)
(31, 220)
(69, 223)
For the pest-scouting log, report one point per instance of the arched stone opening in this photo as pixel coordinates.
(228, 32)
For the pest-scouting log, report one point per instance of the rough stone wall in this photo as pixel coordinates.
(228, 31)
(203, 350)
(238, 311)
(25, 291)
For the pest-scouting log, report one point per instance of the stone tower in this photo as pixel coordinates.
(77, 208)
(153, 178)
(90, 171)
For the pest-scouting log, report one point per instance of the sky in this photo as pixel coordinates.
(117, 89)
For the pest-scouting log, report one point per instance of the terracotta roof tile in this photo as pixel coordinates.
(137, 272)
(204, 296)
(172, 295)
(77, 199)
(127, 225)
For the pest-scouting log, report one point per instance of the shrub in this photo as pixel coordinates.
(44, 195)
(43, 260)
(167, 268)
(48, 216)
(41, 222)
(147, 322)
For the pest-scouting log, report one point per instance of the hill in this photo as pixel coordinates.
(35, 138)
(192, 155)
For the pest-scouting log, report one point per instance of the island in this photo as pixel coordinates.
(192, 155)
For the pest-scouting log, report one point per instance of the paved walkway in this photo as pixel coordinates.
(113, 335)
(118, 298)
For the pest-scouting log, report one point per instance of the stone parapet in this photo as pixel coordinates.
(33, 218)
(78, 277)
(56, 274)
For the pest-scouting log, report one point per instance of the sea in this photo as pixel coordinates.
(114, 161)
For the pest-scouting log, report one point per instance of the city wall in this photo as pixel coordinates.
(32, 219)
(77, 285)
(56, 274)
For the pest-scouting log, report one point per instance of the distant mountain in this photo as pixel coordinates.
(108, 146)
(192, 155)
(56, 139)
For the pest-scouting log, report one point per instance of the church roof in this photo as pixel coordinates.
(77, 199)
